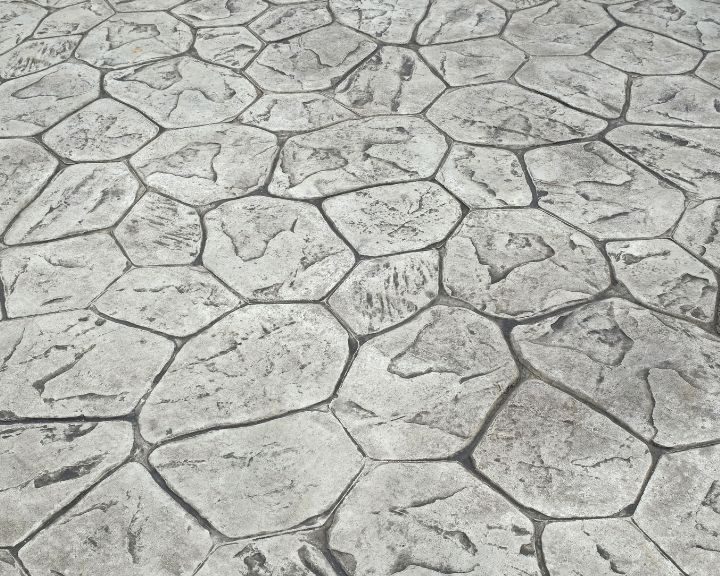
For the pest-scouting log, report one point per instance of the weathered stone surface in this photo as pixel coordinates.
(45, 466)
(182, 91)
(61, 275)
(103, 130)
(81, 198)
(521, 263)
(452, 20)
(231, 46)
(674, 100)
(597, 189)
(259, 362)
(18, 19)
(512, 5)
(74, 19)
(355, 154)
(709, 70)
(314, 60)
(507, 115)
(557, 456)
(284, 21)
(485, 177)
(430, 518)
(127, 525)
(205, 164)
(269, 249)
(306, 459)
(202, 13)
(474, 61)
(160, 231)
(391, 21)
(36, 55)
(30, 104)
(294, 112)
(651, 371)
(76, 364)
(9, 566)
(144, 5)
(698, 231)
(392, 81)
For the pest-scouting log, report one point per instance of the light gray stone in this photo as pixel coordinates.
(18, 19)
(9, 566)
(674, 100)
(231, 46)
(294, 112)
(144, 5)
(453, 20)
(205, 13)
(698, 231)
(512, 5)
(282, 22)
(391, 21)
(36, 55)
(77, 18)
(709, 70)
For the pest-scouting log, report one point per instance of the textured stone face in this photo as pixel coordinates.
(36, 55)
(709, 70)
(452, 20)
(17, 21)
(231, 46)
(294, 112)
(674, 100)
(696, 231)
(9, 566)
(391, 21)
(74, 18)
(202, 13)
(284, 21)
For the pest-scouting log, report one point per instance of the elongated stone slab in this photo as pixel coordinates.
(18, 19)
(294, 112)
(282, 22)
(674, 100)
(74, 18)
(697, 231)
(391, 21)
(453, 20)
(36, 55)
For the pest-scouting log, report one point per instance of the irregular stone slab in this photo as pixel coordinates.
(104, 130)
(643, 52)
(315, 60)
(423, 390)
(405, 517)
(512, 5)
(395, 218)
(144, 5)
(709, 70)
(649, 370)
(305, 459)
(30, 104)
(452, 20)
(557, 456)
(182, 92)
(75, 19)
(18, 19)
(355, 154)
(507, 115)
(207, 163)
(45, 466)
(597, 189)
(36, 55)
(679, 508)
(674, 100)
(474, 61)
(602, 547)
(62, 275)
(391, 21)
(81, 198)
(76, 364)
(698, 230)
(284, 21)
(127, 525)
(205, 13)
(9, 566)
(294, 112)
(485, 177)
(160, 231)
(521, 263)
(231, 46)
(663, 276)
(273, 250)
(259, 362)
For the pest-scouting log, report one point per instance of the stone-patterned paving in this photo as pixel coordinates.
(359, 287)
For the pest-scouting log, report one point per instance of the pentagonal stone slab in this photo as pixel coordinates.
(314, 60)
(284, 21)
(182, 91)
(74, 19)
(207, 163)
(521, 263)
(557, 456)
(45, 466)
(404, 518)
(81, 198)
(127, 525)
(260, 361)
(103, 130)
(9, 566)
(356, 154)
(674, 100)
(392, 81)
(452, 20)
(202, 13)
(697, 231)
(159, 231)
(231, 46)
(394, 218)
(284, 472)
(647, 369)
(76, 363)
(30, 104)
(388, 20)
(507, 115)
(294, 112)
(175, 300)
(61, 275)
(485, 177)
(423, 390)
(709, 70)
(36, 55)
(18, 19)
(679, 509)
(269, 249)
(599, 190)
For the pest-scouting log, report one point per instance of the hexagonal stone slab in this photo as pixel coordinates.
(391, 21)
(18, 19)
(203, 13)
(103, 130)
(205, 164)
(674, 100)
(231, 46)
(709, 70)
(74, 19)
(294, 112)
(45, 466)
(9, 566)
(269, 249)
(355, 154)
(394, 218)
(259, 362)
(697, 231)
(649, 370)
(182, 92)
(128, 525)
(405, 517)
(282, 22)
(305, 459)
(423, 390)
(507, 115)
(452, 20)
(76, 364)
(36, 55)
(521, 263)
(599, 190)
(557, 456)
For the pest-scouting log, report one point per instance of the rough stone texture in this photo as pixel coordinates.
(231, 46)
(74, 19)
(284, 21)
(391, 21)
(36, 55)
(294, 112)
(452, 20)
(204, 13)
(9, 566)
(674, 100)
(697, 231)
(18, 19)
(143, 5)
(709, 70)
